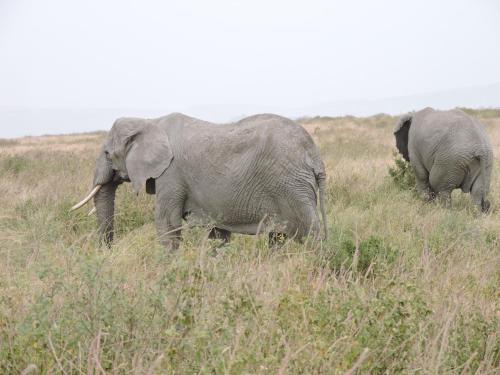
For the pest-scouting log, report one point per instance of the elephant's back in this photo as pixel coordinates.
(265, 144)
(454, 121)
(282, 129)
(250, 130)
(453, 127)
(276, 136)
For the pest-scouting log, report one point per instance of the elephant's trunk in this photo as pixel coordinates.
(104, 202)
(106, 180)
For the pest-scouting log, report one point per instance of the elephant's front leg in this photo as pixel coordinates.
(168, 222)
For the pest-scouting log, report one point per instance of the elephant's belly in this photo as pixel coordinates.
(230, 218)
(242, 228)
(262, 226)
(202, 218)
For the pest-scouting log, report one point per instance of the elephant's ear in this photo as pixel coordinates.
(149, 155)
(401, 132)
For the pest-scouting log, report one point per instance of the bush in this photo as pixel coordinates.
(468, 343)
(14, 164)
(402, 173)
(386, 323)
(372, 252)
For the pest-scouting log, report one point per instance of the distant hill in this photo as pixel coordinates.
(472, 97)
(16, 122)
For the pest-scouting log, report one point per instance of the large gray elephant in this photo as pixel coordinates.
(258, 174)
(447, 150)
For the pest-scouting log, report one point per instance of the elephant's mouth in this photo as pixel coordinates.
(120, 177)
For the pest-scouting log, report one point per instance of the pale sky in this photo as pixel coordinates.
(227, 58)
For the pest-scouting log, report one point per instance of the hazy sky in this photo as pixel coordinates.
(177, 55)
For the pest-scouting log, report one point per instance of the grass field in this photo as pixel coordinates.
(400, 286)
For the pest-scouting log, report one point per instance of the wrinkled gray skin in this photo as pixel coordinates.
(447, 150)
(263, 170)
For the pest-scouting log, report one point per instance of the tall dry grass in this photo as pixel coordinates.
(399, 287)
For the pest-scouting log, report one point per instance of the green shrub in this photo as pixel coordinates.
(386, 323)
(492, 239)
(372, 252)
(468, 342)
(395, 316)
(13, 164)
(402, 173)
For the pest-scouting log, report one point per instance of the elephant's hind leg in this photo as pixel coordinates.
(478, 197)
(305, 224)
(443, 179)
(422, 182)
(310, 225)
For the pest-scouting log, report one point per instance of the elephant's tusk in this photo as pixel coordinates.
(87, 198)
(91, 211)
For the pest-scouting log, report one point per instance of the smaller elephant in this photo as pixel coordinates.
(447, 150)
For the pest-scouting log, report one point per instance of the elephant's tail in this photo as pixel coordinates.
(321, 181)
(484, 177)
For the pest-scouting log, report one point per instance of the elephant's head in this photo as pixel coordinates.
(401, 131)
(136, 151)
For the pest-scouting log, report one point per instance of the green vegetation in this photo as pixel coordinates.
(365, 257)
(13, 165)
(400, 286)
(402, 173)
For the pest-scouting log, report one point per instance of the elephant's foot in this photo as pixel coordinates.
(444, 198)
(276, 239)
(431, 196)
(220, 234)
(427, 195)
(171, 245)
(170, 241)
(485, 206)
